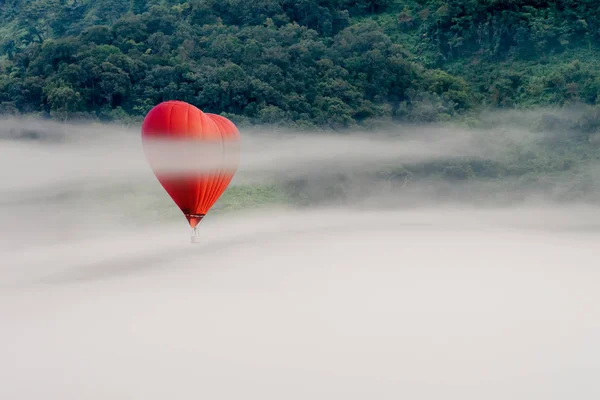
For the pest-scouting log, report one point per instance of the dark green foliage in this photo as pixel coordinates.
(521, 28)
(310, 63)
(287, 62)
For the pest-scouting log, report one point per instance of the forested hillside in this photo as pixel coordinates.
(302, 63)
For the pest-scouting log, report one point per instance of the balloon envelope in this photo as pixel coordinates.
(193, 154)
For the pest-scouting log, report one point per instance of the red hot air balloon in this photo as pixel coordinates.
(193, 154)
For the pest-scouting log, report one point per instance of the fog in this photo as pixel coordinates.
(403, 293)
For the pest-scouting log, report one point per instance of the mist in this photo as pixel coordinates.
(387, 287)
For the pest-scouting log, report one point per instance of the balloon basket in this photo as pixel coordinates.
(195, 238)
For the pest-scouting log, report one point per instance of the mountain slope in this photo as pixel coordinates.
(311, 63)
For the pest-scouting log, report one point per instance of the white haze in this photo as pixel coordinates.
(431, 302)
(71, 153)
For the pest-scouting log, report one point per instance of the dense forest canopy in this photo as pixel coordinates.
(304, 63)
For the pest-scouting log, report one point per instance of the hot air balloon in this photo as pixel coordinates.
(194, 156)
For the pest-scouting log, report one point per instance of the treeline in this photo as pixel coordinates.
(519, 52)
(310, 63)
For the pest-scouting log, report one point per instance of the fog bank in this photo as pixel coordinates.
(102, 295)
